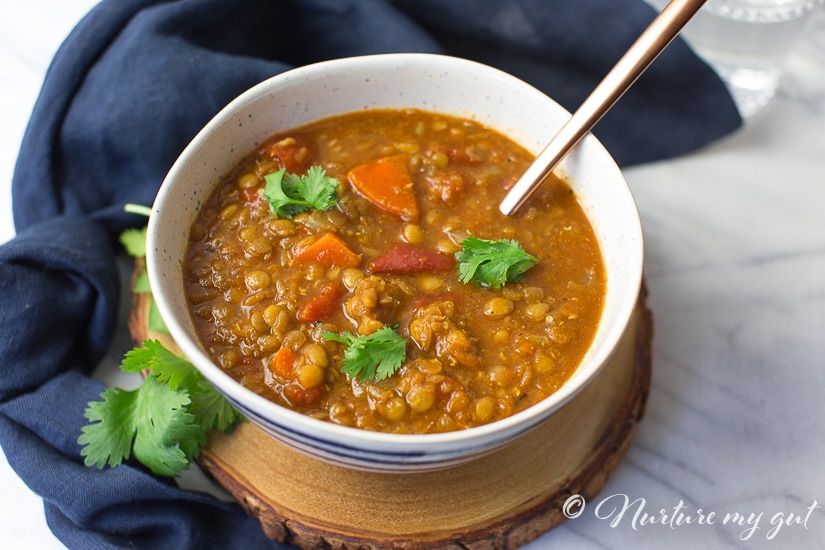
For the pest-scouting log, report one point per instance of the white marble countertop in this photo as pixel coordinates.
(735, 266)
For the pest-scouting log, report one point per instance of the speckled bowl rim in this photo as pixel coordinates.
(350, 446)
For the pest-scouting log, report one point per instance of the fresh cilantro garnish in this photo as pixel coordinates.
(210, 408)
(134, 241)
(163, 423)
(290, 194)
(139, 209)
(150, 422)
(154, 322)
(141, 284)
(167, 367)
(492, 263)
(375, 356)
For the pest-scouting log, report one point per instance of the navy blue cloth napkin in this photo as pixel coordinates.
(131, 86)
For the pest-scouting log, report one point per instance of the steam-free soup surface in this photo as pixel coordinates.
(267, 291)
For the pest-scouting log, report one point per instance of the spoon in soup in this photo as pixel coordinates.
(658, 35)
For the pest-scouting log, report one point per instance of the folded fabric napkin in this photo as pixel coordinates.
(126, 92)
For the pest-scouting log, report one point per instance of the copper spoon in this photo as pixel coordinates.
(633, 63)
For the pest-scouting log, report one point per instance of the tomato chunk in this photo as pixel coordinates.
(323, 304)
(297, 395)
(253, 196)
(387, 184)
(407, 258)
(329, 250)
(289, 154)
(448, 188)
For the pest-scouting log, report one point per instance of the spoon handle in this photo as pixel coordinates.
(633, 63)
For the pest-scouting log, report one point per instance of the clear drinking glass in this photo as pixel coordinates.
(747, 43)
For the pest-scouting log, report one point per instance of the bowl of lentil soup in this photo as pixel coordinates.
(329, 253)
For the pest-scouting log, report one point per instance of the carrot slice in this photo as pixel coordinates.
(321, 305)
(406, 258)
(329, 250)
(387, 184)
(283, 363)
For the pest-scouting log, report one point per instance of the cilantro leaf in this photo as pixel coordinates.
(150, 421)
(134, 241)
(108, 437)
(375, 356)
(155, 321)
(492, 263)
(283, 199)
(141, 285)
(166, 366)
(163, 423)
(318, 189)
(290, 194)
(167, 436)
(211, 409)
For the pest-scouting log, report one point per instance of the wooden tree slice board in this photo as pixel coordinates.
(500, 501)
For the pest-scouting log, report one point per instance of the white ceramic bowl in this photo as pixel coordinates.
(436, 83)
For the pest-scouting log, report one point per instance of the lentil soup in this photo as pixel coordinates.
(266, 291)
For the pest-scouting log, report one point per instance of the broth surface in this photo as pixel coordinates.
(474, 354)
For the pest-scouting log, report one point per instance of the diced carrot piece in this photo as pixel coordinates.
(387, 184)
(406, 258)
(322, 305)
(329, 250)
(283, 363)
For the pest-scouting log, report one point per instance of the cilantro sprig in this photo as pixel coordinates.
(375, 356)
(134, 241)
(290, 194)
(163, 423)
(492, 263)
